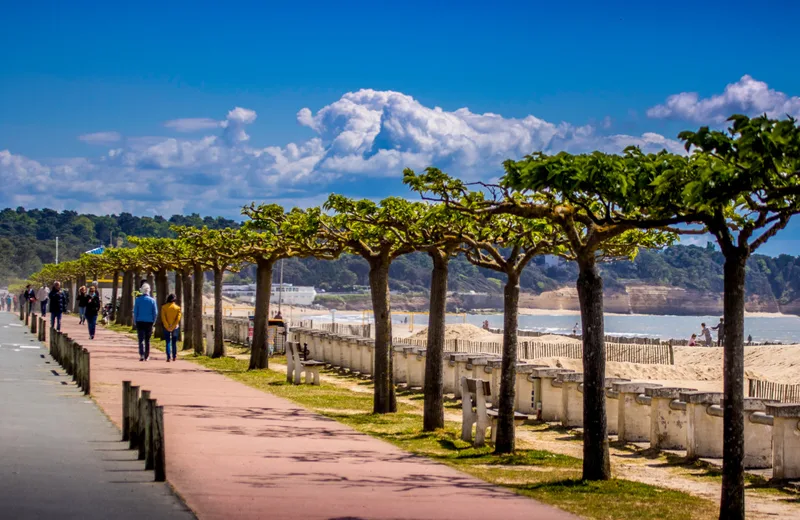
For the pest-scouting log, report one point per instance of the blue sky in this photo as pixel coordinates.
(133, 107)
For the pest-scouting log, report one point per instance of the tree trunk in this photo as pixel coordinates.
(137, 281)
(385, 400)
(119, 317)
(506, 439)
(732, 502)
(433, 416)
(219, 339)
(162, 288)
(151, 281)
(188, 310)
(596, 460)
(179, 299)
(197, 310)
(114, 293)
(259, 350)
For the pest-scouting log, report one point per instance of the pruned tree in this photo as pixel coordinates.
(270, 235)
(743, 185)
(218, 250)
(502, 243)
(371, 231)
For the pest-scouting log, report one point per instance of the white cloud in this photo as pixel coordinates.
(101, 138)
(747, 96)
(193, 124)
(363, 134)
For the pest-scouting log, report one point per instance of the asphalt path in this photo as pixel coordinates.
(60, 456)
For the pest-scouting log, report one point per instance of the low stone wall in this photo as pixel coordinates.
(665, 417)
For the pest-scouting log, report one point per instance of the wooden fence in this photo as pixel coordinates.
(636, 340)
(782, 392)
(644, 354)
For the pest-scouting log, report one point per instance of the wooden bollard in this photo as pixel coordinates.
(133, 433)
(143, 420)
(150, 407)
(21, 311)
(34, 322)
(159, 450)
(126, 410)
(27, 316)
(87, 372)
(52, 341)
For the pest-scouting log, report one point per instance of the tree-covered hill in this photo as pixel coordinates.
(27, 240)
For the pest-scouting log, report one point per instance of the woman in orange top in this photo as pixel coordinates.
(171, 319)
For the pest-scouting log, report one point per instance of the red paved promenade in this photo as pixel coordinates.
(236, 452)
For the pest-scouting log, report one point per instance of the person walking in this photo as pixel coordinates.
(92, 310)
(82, 299)
(145, 312)
(29, 296)
(41, 295)
(57, 301)
(9, 300)
(720, 332)
(706, 332)
(171, 319)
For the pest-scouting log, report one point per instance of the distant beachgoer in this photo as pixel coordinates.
(92, 310)
(41, 295)
(749, 339)
(693, 340)
(83, 299)
(278, 315)
(9, 301)
(720, 331)
(575, 330)
(171, 319)
(57, 301)
(145, 312)
(706, 332)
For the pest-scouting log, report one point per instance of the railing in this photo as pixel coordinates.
(783, 392)
(143, 428)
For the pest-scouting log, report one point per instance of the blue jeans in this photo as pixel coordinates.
(171, 339)
(82, 311)
(53, 318)
(44, 308)
(143, 330)
(91, 322)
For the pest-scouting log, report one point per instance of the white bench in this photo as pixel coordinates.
(476, 412)
(295, 365)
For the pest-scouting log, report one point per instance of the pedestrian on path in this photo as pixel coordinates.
(41, 295)
(82, 300)
(9, 301)
(171, 319)
(58, 305)
(145, 312)
(92, 310)
(29, 296)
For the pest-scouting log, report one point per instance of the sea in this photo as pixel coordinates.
(777, 329)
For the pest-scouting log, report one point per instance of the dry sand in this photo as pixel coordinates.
(695, 367)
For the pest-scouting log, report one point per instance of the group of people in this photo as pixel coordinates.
(705, 332)
(145, 314)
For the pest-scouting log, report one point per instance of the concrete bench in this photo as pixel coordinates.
(757, 433)
(457, 361)
(785, 440)
(476, 412)
(633, 413)
(296, 365)
(668, 421)
(525, 401)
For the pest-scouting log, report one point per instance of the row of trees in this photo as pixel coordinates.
(742, 186)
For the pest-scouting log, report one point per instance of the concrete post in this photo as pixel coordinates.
(668, 423)
(785, 440)
(633, 413)
(571, 400)
(547, 393)
(704, 433)
(459, 363)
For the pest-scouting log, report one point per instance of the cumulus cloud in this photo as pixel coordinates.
(102, 138)
(746, 96)
(193, 124)
(364, 134)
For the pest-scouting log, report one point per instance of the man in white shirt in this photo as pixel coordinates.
(41, 297)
